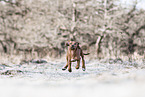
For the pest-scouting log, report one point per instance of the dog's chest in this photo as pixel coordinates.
(75, 54)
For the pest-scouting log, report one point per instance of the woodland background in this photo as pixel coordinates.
(39, 28)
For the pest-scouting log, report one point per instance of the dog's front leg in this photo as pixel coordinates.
(78, 64)
(69, 65)
(65, 67)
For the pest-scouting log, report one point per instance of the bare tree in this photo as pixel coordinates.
(44, 25)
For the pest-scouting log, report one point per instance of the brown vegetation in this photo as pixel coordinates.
(41, 27)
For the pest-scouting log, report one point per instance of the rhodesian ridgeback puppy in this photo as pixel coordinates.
(74, 53)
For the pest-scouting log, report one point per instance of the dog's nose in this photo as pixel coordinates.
(72, 45)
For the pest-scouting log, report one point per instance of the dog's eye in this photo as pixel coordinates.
(75, 43)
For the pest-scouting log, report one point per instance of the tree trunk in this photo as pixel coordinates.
(98, 45)
(4, 47)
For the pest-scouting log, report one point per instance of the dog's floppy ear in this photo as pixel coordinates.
(67, 43)
(77, 44)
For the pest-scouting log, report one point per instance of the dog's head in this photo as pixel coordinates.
(72, 45)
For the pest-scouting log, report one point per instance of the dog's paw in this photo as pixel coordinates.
(63, 68)
(70, 70)
(77, 67)
(83, 69)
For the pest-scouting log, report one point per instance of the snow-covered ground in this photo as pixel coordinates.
(48, 80)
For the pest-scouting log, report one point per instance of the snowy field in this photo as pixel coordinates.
(101, 79)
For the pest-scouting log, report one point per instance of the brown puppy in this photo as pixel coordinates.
(73, 54)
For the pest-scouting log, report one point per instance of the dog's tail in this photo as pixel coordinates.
(87, 54)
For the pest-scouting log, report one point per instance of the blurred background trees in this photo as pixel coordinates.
(41, 27)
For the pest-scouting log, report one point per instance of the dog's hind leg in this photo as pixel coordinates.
(83, 62)
(78, 64)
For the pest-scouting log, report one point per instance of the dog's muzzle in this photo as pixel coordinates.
(72, 47)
